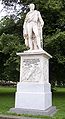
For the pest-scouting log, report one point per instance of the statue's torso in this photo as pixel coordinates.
(32, 16)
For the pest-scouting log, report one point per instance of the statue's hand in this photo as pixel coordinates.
(25, 36)
(42, 24)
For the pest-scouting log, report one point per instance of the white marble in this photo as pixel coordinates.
(34, 89)
(33, 96)
(34, 66)
(32, 28)
(38, 87)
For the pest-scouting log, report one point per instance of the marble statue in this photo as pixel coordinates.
(32, 29)
(33, 90)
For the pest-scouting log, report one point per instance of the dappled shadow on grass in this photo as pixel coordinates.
(58, 95)
(5, 94)
(58, 98)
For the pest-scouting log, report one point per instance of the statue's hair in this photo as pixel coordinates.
(31, 5)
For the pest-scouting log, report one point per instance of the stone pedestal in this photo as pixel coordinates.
(33, 96)
(34, 89)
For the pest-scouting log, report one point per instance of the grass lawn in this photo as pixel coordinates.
(7, 100)
(59, 102)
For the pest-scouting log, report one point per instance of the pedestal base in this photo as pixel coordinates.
(35, 96)
(48, 112)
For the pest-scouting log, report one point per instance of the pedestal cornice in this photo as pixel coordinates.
(35, 52)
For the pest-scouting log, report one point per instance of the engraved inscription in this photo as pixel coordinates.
(31, 70)
(28, 62)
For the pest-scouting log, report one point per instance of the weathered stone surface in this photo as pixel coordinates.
(48, 112)
(33, 94)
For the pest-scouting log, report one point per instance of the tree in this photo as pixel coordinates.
(53, 13)
(55, 45)
(9, 45)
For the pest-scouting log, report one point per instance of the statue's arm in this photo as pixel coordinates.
(25, 21)
(40, 19)
(24, 27)
(24, 24)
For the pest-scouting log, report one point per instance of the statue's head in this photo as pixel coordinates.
(32, 6)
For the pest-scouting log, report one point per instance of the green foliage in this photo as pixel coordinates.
(9, 45)
(7, 26)
(11, 39)
(55, 45)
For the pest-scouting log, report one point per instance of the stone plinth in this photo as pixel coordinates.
(33, 96)
(34, 90)
(34, 66)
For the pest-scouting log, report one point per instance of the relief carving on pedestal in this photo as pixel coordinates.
(31, 70)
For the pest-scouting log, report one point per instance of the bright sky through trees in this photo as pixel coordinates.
(10, 10)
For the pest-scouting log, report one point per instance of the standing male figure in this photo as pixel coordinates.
(32, 29)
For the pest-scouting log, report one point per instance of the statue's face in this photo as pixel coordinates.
(31, 6)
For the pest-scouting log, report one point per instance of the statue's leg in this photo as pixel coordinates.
(29, 27)
(38, 40)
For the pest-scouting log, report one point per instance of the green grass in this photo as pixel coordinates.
(7, 100)
(59, 102)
